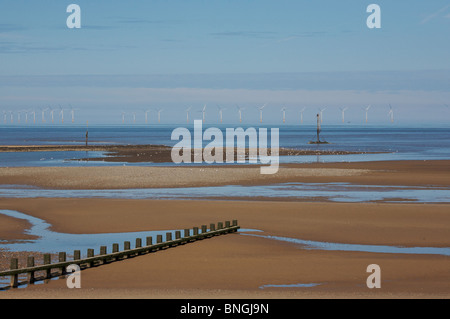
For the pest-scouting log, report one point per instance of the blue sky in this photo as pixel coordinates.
(136, 55)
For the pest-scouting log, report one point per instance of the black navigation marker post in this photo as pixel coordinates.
(87, 133)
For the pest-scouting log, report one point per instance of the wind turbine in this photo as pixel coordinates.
(321, 114)
(240, 109)
(4, 117)
(391, 113)
(51, 113)
(343, 113)
(146, 116)
(367, 112)
(261, 113)
(220, 113)
(72, 113)
(11, 113)
(61, 112)
(123, 117)
(203, 113)
(34, 115)
(43, 113)
(283, 109)
(187, 113)
(159, 115)
(301, 115)
(134, 117)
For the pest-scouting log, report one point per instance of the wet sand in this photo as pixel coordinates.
(149, 153)
(236, 266)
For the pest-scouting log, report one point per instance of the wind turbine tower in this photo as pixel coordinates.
(51, 113)
(284, 114)
(34, 116)
(367, 113)
(146, 116)
(301, 115)
(261, 113)
(391, 113)
(72, 113)
(343, 113)
(203, 113)
(220, 114)
(240, 109)
(61, 111)
(159, 115)
(187, 114)
(43, 114)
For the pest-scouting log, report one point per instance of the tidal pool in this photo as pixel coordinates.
(318, 245)
(337, 192)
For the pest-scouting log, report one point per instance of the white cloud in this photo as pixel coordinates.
(436, 14)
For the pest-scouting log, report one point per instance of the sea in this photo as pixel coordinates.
(375, 143)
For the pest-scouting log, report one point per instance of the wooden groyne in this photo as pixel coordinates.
(57, 269)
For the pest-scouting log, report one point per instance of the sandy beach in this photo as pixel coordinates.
(415, 173)
(239, 265)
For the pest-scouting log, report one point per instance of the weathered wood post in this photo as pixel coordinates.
(195, 231)
(219, 225)
(212, 227)
(14, 278)
(30, 263)
(48, 261)
(177, 234)
(76, 255)
(149, 241)
(168, 236)
(203, 229)
(158, 239)
(90, 253)
(115, 249)
(126, 246)
(62, 258)
(227, 224)
(103, 251)
(186, 233)
(235, 223)
(138, 244)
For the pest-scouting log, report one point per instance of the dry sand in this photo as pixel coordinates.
(148, 177)
(236, 266)
(409, 173)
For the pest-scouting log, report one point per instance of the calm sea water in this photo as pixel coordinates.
(398, 143)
